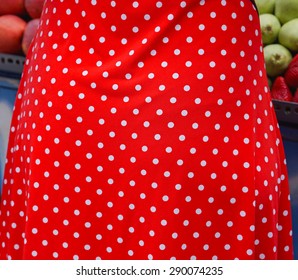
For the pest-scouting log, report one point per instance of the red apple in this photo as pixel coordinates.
(11, 32)
(13, 7)
(29, 34)
(34, 7)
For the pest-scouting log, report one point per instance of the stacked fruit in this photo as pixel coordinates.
(279, 26)
(19, 20)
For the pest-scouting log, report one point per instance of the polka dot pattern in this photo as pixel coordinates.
(145, 130)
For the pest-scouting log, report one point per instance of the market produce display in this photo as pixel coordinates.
(19, 21)
(279, 26)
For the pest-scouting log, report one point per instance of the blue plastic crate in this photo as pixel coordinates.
(287, 115)
(11, 67)
(290, 140)
(8, 90)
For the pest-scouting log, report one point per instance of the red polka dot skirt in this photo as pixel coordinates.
(145, 130)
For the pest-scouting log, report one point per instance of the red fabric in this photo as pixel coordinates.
(145, 130)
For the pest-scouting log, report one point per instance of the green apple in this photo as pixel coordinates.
(286, 10)
(270, 27)
(277, 58)
(288, 35)
(265, 6)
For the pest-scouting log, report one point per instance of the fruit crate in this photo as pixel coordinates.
(11, 68)
(287, 116)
